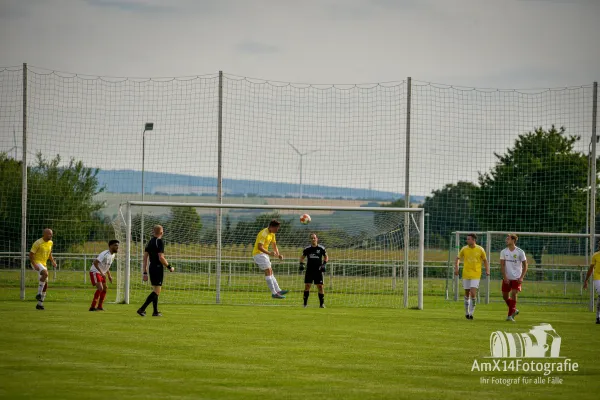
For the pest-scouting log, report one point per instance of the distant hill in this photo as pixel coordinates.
(129, 181)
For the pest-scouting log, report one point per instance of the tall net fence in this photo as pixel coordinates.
(479, 159)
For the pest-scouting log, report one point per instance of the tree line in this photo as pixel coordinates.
(539, 184)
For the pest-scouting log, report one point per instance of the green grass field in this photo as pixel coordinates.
(261, 352)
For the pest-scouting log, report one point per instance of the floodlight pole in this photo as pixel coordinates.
(301, 165)
(147, 127)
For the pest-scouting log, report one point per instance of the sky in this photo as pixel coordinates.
(482, 43)
(357, 130)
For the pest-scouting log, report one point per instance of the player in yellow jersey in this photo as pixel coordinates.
(39, 254)
(261, 254)
(472, 255)
(595, 268)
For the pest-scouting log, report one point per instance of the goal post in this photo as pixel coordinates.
(371, 264)
(557, 264)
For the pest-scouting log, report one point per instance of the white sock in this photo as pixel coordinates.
(467, 305)
(472, 306)
(275, 284)
(270, 284)
(43, 296)
(41, 287)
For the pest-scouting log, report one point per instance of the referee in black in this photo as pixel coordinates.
(154, 252)
(317, 260)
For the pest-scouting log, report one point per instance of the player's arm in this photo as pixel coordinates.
(164, 262)
(97, 265)
(276, 251)
(456, 262)
(525, 267)
(145, 267)
(31, 257)
(587, 276)
(486, 263)
(261, 248)
(52, 260)
(109, 276)
(503, 270)
(323, 267)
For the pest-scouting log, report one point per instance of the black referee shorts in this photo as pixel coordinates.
(156, 273)
(313, 276)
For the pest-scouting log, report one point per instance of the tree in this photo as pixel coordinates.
(450, 210)
(184, 225)
(539, 185)
(58, 197)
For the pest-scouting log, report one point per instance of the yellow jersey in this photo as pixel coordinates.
(41, 251)
(265, 237)
(472, 258)
(596, 264)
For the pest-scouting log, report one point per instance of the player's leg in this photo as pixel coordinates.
(307, 285)
(473, 295)
(278, 290)
(102, 289)
(264, 263)
(98, 285)
(156, 277)
(42, 277)
(515, 289)
(156, 290)
(467, 288)
(507, 299)
(321, 295)
(42, 288)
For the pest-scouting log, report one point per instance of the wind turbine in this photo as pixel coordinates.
(301, 165)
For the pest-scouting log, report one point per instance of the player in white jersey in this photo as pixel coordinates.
(99, 271)
(513, 264)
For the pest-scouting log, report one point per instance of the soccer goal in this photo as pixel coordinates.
(375, 253)
(557, 262)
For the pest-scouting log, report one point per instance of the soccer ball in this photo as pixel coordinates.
(304, 219)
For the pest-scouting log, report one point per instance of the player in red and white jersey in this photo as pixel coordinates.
(99, 271)
(513, 264)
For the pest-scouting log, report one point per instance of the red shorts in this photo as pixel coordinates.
(96, 277)
(511, 285)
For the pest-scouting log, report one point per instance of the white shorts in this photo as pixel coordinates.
(40, 268)
(470, 284)
(597, 286)
(263, 261)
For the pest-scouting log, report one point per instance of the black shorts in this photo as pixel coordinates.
(315, 277)
(156, 273)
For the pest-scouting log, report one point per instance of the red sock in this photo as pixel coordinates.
(96, 295)
(102, 296)
(511, 307)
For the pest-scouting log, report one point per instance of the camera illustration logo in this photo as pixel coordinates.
(541, 341)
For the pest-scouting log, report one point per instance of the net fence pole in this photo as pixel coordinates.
(421, 256)
(593, 185)
(128, 255)
(24, 187)
(456, 277)
(488, 250)
(407, 193)
(219, 191)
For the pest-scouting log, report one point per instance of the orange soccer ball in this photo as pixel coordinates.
(304, 219)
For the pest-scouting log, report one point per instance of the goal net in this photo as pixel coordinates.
(375, 253)
(557, 264)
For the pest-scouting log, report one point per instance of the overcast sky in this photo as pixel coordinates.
(483, 43)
